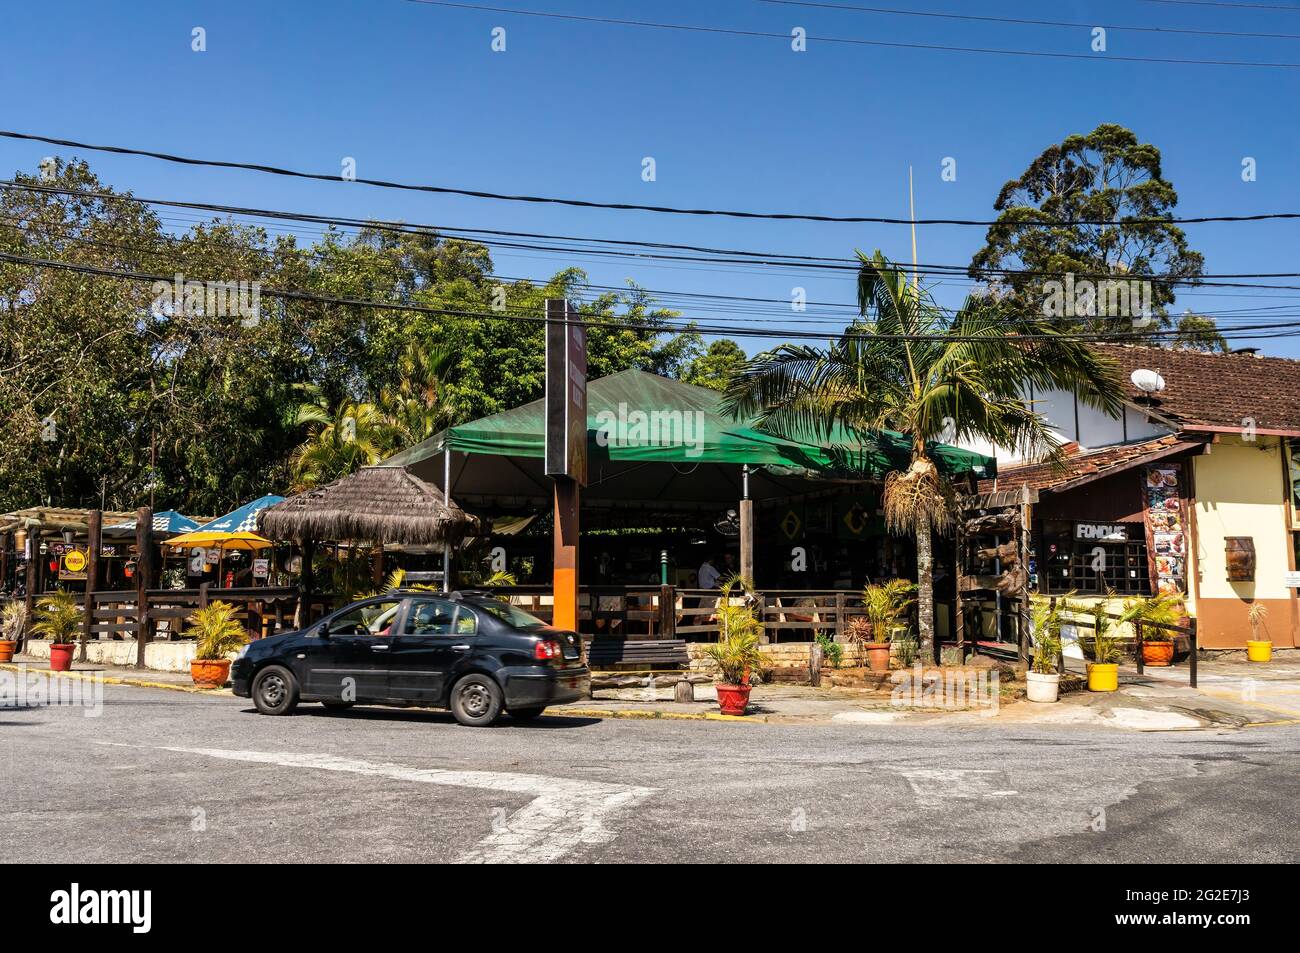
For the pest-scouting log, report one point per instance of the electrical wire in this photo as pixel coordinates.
(1024, 21)
(851, 41)
(1270, 330)
(625, 206)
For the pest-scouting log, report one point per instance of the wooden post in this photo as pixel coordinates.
(93, 544)
(667, 612)
(1137, 648)
(377, 564)
(815, 664)
(203, 595)
(565, 575)
(144, 580)
(302, 614)
(746, 530)
(841, 604)
(33, 545)
(6, 544)
(1191, 659)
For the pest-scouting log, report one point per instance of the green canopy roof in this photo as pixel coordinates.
(635, 416)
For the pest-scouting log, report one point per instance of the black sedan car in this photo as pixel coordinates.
(468, 652)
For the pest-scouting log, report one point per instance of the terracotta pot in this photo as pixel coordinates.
(878, 656)
(210, 673)
(7, 647)
(733, 699)
(1157, 653)
(61, 656)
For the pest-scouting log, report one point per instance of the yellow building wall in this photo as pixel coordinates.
(1240, 492)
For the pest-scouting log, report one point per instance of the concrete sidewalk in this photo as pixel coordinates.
(1232, 693)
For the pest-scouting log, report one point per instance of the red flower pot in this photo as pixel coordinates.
(733, 699)
(7, 650)
(1157, 653)
(61, 656)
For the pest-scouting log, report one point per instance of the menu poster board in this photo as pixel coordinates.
(1166, 524)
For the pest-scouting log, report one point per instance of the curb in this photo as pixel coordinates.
(115, 680)
(649, 714)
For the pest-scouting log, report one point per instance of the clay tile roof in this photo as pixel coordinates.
(1215, 390)
(1093, 463)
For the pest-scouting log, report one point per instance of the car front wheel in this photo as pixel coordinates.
(476, 701)
(275, 691)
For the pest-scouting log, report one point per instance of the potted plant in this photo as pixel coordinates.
(58, 618)
(1043, 681)
(1166, 608)
(1257, 649)
(736, 653)
(12, 621)
(217, 633)
(1103, 646)
(884, 605)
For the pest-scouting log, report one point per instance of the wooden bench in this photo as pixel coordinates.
(639, 655)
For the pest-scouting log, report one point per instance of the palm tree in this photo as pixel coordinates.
(344, 438)
(912, 367)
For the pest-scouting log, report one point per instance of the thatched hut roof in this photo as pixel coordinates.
(377, 504)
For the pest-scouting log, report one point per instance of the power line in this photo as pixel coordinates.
(1231, 6)
(771, 259)
(624, 206)
(853, 41)
(1271, 330)
(1024, 21)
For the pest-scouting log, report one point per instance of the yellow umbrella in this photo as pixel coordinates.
(208, 539)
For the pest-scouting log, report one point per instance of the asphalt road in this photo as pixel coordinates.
(166, 776)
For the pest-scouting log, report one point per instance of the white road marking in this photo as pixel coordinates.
(932, 786)
(563, 815)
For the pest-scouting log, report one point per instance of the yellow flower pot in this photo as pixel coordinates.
(1103, 678)
(1259, 651)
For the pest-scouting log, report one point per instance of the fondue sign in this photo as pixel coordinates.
(1106, 532)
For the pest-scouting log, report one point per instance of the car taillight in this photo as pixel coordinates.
(546, 650)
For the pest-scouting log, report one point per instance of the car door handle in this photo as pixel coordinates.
(460, 648)
(380, 647)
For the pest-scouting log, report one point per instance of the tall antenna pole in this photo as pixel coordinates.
(911, 201)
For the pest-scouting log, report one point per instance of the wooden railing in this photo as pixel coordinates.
(1133, 646)
(262, 611)
(667, 612)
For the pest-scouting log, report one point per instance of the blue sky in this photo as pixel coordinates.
(414, 92)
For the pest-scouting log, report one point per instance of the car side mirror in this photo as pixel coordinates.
(323, 631)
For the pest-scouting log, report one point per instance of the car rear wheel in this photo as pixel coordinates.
(476, 701)
(525, 714)
(275, 691)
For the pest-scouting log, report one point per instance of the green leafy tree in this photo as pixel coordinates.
(713, 368)
(912, 367)
(1106, 175)
(1199, 333)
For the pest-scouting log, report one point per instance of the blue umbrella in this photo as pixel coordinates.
(166, 523)
(242, 520)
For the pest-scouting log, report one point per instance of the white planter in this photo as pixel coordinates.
(1042, 688)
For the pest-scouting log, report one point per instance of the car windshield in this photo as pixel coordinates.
(509, 614)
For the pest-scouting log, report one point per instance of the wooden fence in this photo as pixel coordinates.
(667, 612)
(1184, 640)
(262, 611)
